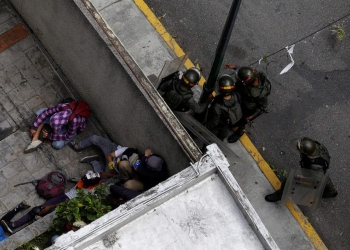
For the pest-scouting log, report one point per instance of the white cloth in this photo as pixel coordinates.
(71, 194)
(119, 151)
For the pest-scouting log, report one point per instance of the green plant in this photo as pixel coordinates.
(339, 31)
(27, 246)
(281, 173)
(86, 207)
(42, 241)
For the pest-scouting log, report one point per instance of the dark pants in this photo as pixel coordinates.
(30, 216)
(123, 193)
(242, 122)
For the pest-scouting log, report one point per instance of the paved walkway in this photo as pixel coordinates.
(28, 83)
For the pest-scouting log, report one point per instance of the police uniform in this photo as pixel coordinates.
(254, 98)
(179, 99)
(319, 160)
(222, 114)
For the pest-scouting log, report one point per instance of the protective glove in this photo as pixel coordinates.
(230, 66)
(111, 165)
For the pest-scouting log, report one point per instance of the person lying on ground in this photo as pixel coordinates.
(59, 124)
(118, 158)
(151, 169)
(88, 182)
(10, 214)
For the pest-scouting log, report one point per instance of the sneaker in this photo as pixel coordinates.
(23, 205)
(89, 159)
(8, 226)
(33, 146)
(75, 147)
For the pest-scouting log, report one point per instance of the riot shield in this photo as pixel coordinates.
(170, 67)
(304, 187)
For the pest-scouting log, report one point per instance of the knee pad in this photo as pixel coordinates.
(35, 211)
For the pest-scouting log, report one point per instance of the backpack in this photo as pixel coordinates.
(78, 108)
(52, 184)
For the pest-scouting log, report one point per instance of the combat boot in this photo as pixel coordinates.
(276, 196)
(329, 194)
(235, 136)
(23, 205)
(329, 190)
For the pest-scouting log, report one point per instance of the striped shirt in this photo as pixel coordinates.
(59, 118)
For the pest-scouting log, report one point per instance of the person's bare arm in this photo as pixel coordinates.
(110, 156)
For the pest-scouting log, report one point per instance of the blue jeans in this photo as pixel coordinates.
(64, 129)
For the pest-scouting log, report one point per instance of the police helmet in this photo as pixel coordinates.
(304, 146)
(246, 75)
(91, 178)
(191, 77)
(226, 84)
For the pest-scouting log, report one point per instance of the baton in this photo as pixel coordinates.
(25, 183)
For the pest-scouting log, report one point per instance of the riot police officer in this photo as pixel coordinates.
(313, 155)
(225, 110)
(177, 92)
(254, 88)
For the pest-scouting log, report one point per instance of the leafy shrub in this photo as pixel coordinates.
(86, 207)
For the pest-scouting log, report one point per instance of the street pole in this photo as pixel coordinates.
(209, 86)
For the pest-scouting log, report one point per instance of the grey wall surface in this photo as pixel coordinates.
(98, 73)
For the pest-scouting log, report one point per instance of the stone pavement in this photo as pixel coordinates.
(28, 83)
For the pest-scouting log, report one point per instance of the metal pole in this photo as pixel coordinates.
(220, 51)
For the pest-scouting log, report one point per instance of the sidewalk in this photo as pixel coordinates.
(28, 83)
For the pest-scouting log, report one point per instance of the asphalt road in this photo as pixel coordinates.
(312, 99)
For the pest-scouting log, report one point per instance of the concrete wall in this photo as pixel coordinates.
(104, 74)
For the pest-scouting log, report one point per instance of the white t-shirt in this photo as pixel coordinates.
(119, 151)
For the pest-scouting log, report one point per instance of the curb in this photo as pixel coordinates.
(246, 142)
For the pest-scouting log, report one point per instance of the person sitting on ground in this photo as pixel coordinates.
(151, 169)
(59, 124)
(88, 182)
(118, 158)
(10, 214)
